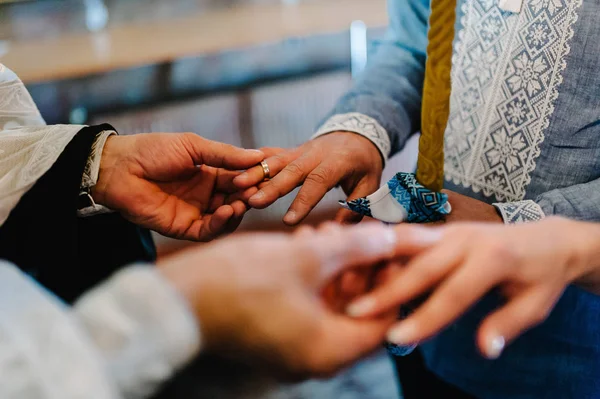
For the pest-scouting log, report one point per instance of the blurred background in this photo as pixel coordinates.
(247, 72)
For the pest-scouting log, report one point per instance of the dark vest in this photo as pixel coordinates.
(65, 253)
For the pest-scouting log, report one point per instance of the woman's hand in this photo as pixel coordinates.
(340, 158)
(531, 265)
(256, 296)
(179, 185)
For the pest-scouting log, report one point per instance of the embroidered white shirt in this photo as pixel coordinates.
(508, 63)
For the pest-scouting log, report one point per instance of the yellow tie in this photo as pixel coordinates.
(436, 94)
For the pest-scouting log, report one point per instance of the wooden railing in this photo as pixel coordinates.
(131, 45)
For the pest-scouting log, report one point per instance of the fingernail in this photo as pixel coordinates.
(290, 217)
(240, 177)
(494, 346)
(402, 333)
(258, 196)
(360, 307)
(257, 152)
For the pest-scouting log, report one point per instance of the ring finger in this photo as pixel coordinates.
(256, 174)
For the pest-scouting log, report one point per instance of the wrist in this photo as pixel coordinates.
(358, 142)
(571, 245)
(140, 333)
(361, 124)
(194, 285)
(584, 264)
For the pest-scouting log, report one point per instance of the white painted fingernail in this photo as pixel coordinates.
(402, 333)
(360, 307)
(494, 346)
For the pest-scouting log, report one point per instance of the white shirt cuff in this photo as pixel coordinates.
(142, 327)
(90, 175)
(520, 211)
(360, 124)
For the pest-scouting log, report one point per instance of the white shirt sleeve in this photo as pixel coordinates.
(143, 328)
(44, 353)
(28, 148)
(121, 340)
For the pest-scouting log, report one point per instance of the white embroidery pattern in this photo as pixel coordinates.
(506, 72)
(520, 212)
(361, 124)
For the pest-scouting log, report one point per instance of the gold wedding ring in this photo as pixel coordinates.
(266, 170)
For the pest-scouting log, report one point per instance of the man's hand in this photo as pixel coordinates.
(340, 158)
(466, 209)
(175, 184)
(256, 297)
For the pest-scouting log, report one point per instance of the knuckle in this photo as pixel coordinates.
(546, 311)
(278, 159)
(319, 177)
(426, 272)
(191, 136)
(538, 314)
(500, 252)
(188, 141)
(304, 199)
(456, 297)
(287, 156)
(534, 314)
(272, 190)
(294, 170)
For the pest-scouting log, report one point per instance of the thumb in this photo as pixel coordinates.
(365, 187)
(221, 155)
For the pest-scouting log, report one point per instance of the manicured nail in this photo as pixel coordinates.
(258, 196)
(360, 307)
(290, 217)
(494, 346)
(402, 333)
